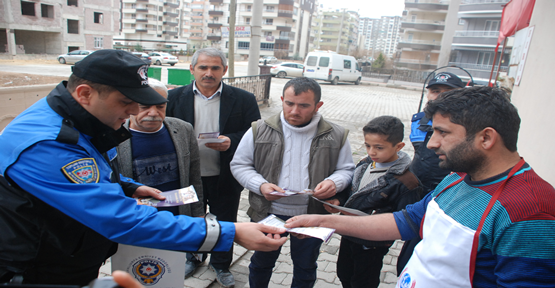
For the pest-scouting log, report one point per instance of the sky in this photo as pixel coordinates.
(368, 8)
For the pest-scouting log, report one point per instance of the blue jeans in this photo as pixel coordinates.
(304, 253)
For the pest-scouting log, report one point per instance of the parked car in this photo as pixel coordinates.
(143, 56)
(159, 58)
(332, 67)
(287, 69)
(269, 60)
(74, 56)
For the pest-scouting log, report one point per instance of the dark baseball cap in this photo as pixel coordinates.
(446, 78)
(122, 70)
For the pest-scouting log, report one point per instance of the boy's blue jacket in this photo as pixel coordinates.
(391, 192)
(64, 205)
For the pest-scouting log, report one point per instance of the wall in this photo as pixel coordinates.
(534, 97)
(13, 100)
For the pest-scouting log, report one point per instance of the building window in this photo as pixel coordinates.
(98, 42)
(270, 8)
(249, 8)
(133, 16)
(47, 11)
(267, 33)
(133, 6)
(248, 21)
(267, 46)
(27, 8)
(485, 58)
(72, 26)
(98, 18)
(72, 3)
(243, 45)
(461, 21)
(268, 22)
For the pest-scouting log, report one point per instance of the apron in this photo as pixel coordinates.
(446, 257)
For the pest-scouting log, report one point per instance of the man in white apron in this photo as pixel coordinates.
(490, 223)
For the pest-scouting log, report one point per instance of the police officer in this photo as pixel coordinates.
(62, 204)
(425, 164)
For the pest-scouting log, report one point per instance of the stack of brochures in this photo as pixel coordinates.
(316, 232)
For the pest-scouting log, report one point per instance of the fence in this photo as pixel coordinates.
(259, 85)
(385, 75)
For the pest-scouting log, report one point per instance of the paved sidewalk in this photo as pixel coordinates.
(352, 107)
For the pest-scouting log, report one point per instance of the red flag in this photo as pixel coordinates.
(516, 15)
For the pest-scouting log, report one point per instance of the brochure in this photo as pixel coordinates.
(288, 192)
(177, 197)
(344, 210)
(316, 232)
(209, 137)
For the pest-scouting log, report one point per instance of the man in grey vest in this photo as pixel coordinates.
(296, 149)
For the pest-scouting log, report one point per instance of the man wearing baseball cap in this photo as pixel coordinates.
(63, 204)
(425, 164)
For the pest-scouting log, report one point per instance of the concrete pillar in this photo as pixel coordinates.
(10, 34)
(305, 34)
(256, 31)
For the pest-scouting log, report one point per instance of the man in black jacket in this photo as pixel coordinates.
(211, 106)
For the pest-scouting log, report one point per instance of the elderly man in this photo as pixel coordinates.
(491, 223)
(163, 153)
(295, 149)
(63, 204)
(212, 106)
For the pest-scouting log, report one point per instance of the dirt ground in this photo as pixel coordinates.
(9, 79)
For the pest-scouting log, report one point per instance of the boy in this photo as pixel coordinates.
(381, 183)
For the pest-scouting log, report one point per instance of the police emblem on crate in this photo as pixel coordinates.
(82, 171)
(148, 270)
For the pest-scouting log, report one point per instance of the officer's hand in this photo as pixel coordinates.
(267, 188)
(146, 191)
(125, 280)
(325, 189)
(220, 146)
(251, 236)
(331, 209)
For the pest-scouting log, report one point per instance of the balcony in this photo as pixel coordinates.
(143, 20)
(284, 28)
(215, 13)
(141, 30)
(141, 10)
(427, 5)
(214, 36)
(419, 45)
(214, 25)
(475, 38)
(481, 8)
(426, 25)
(168, 32)
(217, 1)
(477, 70)
(416, 64)
(170, 23)
(285, 13)
(171, 4)
(171, 14)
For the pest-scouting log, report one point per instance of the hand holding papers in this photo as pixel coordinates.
(316, 232)
(344, 210)
(173, 198)
(210, 137)
(288, 192)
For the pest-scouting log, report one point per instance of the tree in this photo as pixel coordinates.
(379, 62)
(138, 48)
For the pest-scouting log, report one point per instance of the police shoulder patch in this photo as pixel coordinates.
(82, 171)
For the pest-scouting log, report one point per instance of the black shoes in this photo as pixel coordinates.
(224, 277)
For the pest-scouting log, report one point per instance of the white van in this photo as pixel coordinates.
(331, 67)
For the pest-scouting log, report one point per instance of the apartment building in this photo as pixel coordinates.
(57, 26)
(380, 35)
(286, 27)
(422, 25)
(156, 25)
(473, 47)
(337, 30)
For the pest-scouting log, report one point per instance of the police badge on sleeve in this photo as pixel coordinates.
(82, 171)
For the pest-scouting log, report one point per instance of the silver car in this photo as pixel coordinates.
(159, 58)
(74, 56)
(287, 69)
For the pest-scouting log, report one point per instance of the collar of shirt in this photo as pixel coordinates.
(216, 94)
